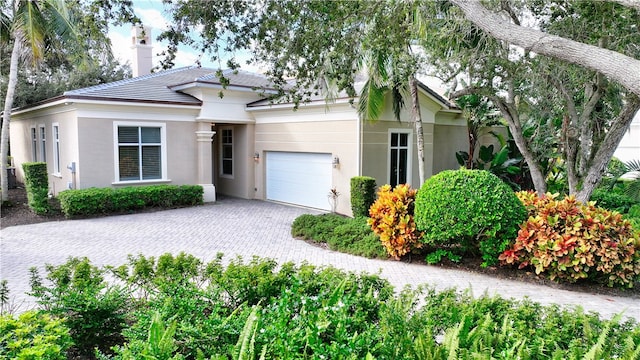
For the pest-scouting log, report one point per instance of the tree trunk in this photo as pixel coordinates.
(619, 67)
(6, 118)
(609, 145)
(417, 121)
(513, 120)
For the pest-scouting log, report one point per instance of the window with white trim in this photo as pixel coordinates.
(226, 152)
(399, 157)
(34, 144)
(43, 144)
(140, 152)
(56, 148)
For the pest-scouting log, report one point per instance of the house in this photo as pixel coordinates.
(173, 127)
(629, 147)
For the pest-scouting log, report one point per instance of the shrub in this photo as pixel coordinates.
(33, 335)
(634, 216)
(472, 209)
(363, 194)
(94, 311)
(572, 241)
(391, 218)
(612, 200)
(37, 186)
(97, 201)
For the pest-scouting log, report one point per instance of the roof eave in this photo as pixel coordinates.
(218, 86)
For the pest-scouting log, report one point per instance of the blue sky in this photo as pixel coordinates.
(151, 12)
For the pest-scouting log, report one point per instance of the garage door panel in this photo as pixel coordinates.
(299, 178)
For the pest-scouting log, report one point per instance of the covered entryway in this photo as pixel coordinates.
(299, 178)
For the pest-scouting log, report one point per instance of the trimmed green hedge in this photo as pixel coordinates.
(363, 194)
(473, 209)
(37, 186)
(96, 201)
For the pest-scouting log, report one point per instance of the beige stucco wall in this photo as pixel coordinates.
(96, 162)
(64, 116)
(87, 138)
(241, 183)
(314, 129)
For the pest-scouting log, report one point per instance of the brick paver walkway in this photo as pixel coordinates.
(247, 228)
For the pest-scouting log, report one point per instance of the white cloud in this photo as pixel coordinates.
(153, 18)
(121, 45)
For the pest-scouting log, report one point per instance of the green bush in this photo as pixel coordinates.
(33, 335)
(363, 194)
(303, 312)
(94, 311)
(37, 186)
(98, 201)
(612, 200)
(634, 216)
(469, 208)
(184, 308)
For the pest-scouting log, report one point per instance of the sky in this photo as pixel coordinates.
(151, 12)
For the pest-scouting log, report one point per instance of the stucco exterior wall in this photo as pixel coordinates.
(240, 184)
(629, 147)
(375, 150)
(314, 130)
(21, 151)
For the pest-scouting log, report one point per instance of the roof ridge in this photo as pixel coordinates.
(126, 81)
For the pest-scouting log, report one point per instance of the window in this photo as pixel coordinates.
(34, 144)
(43, 144)
(399, 146)
(227, 152)
(140, 152)
(56, 149)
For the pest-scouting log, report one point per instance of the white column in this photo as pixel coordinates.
(205, 161)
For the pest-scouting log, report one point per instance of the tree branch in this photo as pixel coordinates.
(619, 67)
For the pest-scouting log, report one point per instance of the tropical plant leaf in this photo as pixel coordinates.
(371, 102)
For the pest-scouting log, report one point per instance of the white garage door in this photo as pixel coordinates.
(299, 178)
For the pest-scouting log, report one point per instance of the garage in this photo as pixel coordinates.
(299, 178)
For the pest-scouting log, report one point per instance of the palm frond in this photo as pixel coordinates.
(398, 93)
(371, 103)
(633, 165)
(30, 29)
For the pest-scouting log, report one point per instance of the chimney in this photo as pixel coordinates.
(142, 50)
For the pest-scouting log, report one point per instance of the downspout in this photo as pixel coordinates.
(359, 142)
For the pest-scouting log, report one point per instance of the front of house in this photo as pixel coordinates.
(174, 127)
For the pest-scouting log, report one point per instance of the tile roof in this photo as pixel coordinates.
(157, 87)
(239, 78)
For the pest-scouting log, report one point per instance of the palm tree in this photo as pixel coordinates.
(29, 28)
(391, 68)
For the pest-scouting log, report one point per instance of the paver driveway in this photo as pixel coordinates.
(247, 228)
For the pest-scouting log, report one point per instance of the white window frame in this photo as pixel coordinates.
(409, 148)
(42, 142)
(163, 151)
(55, 136)
(33, 134)
(233, 151)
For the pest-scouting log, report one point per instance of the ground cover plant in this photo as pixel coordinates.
(179, 307)
(349, 235)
